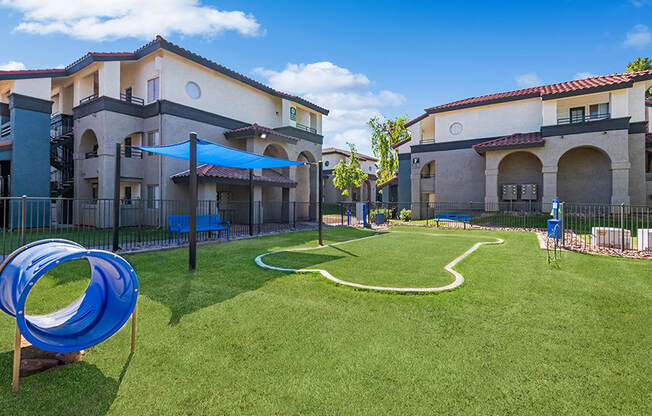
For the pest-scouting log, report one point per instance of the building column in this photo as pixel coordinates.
(109, 79)
(549, 184)
(415, 190)
(620, 183)
(491, 190)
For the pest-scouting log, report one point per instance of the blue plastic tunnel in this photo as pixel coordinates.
(101, 311)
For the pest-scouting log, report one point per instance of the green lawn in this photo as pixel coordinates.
(360, 262)
(519, 337)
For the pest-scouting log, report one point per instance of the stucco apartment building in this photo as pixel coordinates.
(331, 156)
(60, 128)
(583, 141)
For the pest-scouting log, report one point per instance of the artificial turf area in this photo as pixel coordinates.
(365, 261)
(519, 337)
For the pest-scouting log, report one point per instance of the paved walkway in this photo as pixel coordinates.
(459, 279)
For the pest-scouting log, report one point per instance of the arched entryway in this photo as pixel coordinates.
(584, 176)
(523, 169)
(88, 144)
(306, 193)
(275, 199)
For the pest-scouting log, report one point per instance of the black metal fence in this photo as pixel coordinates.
(592, 227)
(142, 223)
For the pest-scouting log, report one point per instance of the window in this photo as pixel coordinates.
(127, 197)
(152, 90)
(152, 138)
(94, 192)
(577, 114)
(193, 90)
(128, 94)
(128, 147)
(599, 111)
(152, 196)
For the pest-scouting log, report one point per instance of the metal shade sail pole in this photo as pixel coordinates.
(116, 199)
(192, 234)
(251, 202)
(319, 203)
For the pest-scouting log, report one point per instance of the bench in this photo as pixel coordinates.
(180, 224)
(455, 218)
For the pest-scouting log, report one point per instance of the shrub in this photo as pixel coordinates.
(405, 215)
(387, 212)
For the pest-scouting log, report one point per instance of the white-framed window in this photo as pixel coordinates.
(599, 111)
(152, 138)
(153, 196)
(153, 86)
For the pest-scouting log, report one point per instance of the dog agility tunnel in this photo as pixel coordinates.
(101, 311)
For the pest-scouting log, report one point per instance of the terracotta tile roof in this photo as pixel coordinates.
(568, 88)
(213, 171)
(256, 129)
(158, 43)
(34, 71)
(331, 150)
(6, 143)
(397, 144)
(387, 182)
(512, 141)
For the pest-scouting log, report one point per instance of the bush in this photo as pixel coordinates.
(405, 215)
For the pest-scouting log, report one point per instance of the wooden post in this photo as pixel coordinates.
(116, 199)
(319, 203)
(133, 329)
(251, 202)
(192, 234)
(15, 380)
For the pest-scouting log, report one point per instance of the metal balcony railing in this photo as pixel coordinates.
(584, 118)
(131, 99)
(5, 129)
(306, 128)
(88, 99)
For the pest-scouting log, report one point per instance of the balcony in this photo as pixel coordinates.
(306, 128)
(583, 118)
(5, 129)
(131, 163)
(88, 99)
(128, 98)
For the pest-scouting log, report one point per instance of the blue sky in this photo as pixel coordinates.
(359, 59)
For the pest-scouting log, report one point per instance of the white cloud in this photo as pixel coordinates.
(638, 37)
(112, 19)
(349, 97)
(313, 78)
(583, 75)
(638, 3)
(528, 80)
(12, 66)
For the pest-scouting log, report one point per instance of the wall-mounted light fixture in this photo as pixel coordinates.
(415, 160)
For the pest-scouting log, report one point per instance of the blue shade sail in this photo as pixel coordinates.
(215, 154)
(100, 312)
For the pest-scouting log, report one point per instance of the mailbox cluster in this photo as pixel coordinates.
(528, 192)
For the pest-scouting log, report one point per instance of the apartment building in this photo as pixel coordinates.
(331, 156)
(60, 128)
(583, 141)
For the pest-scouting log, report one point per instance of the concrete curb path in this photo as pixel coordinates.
(459, 279)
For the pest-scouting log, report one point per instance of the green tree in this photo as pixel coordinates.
(640, 64)
(348, 175)
(385, 134)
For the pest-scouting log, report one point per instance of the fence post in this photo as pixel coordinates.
(116, 199)
(622, 227)
(23, 214)
(563, 225)
(319, 207)
(251, 202)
